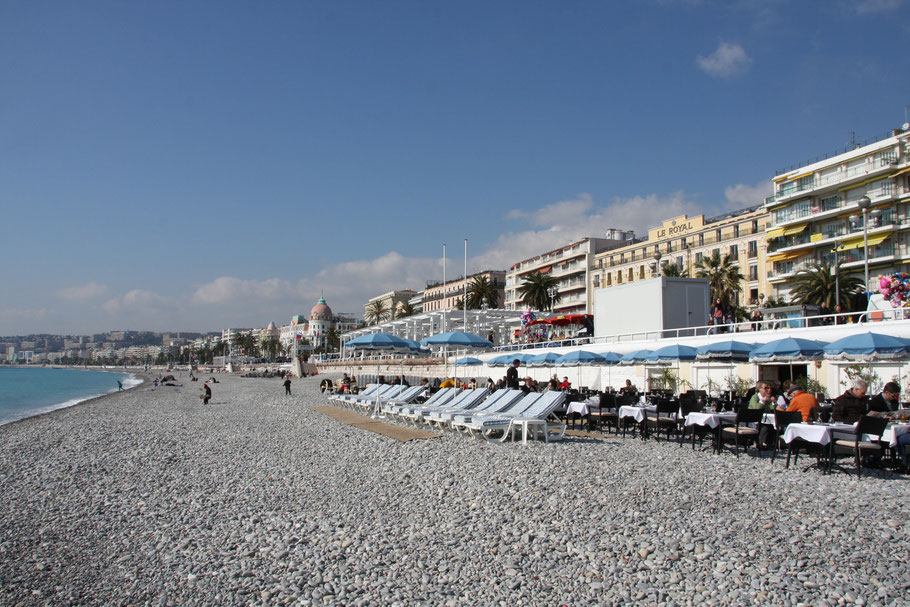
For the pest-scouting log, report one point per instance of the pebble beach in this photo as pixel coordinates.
(147, 497)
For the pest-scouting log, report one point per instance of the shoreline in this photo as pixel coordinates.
(74, 402)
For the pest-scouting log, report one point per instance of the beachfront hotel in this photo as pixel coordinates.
(571, 265)
(448, 295)
(823, 210)
(685, 241)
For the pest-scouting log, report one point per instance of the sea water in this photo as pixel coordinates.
(27, 391)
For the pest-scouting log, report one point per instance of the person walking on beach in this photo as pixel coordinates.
(119, 386)
(287, 385)
(206, 394)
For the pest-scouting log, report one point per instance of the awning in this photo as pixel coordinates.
(784, 256)
(857, 242)
(801, 175)
(545, 270)
(862, 183)
(791, 230)
(900, 172)
(775, 233)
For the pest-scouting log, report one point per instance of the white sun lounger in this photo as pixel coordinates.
(340, 398)
(406, 395)
(539, 410)
(498, 402)
(385, 391)
(394, 407)
(464, 399)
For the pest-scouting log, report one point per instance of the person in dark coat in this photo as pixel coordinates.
(287, 385)
(851, 405)
(887, 401)
(512, 375)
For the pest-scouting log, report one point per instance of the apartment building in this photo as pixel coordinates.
(571, 266)
(439, 296)
(391, 301)
(817, 212)
(684, 241)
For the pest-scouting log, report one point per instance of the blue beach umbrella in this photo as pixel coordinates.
(543, 360)
(868, 347)
(458, 339)
(609, 358)
(725, 350)
(499, 361)
(674, 352)
(788, 349)
(378, 341)
(579, 357)
(636, 357)
(468, 361)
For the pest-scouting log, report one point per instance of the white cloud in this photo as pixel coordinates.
(19, 315)
(566, 221)
(741, 195)
(91, 290)
(229, 289)
(138, 301)
(870, 7)
(726, 61)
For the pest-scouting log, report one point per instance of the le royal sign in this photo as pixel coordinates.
(676, 227)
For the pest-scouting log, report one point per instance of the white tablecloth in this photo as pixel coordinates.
(639, 413)
(579, 407)
(814, 433)
(711, 420)
(892, 432)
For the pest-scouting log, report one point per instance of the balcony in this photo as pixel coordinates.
(888, 221)
(831, 208)
(846, 174)
(850, 260)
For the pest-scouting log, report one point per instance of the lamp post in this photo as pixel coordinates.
(864, 203)
(836, 252)
(656, 265)
(552, 291)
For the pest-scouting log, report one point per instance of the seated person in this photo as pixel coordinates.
(803, 402)
(762, 399)
(564, 384)
(449, 383)
(629, 388)
(850, 406)
(881, 405)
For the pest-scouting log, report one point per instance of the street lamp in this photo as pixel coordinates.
(552, 292)
(836, 251)
(864, 203)
(657, 265)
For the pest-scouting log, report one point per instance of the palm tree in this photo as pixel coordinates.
(818, 285)
(535, 291)
(376, 312)
(482, 288)
(406, 309)
(672, 270)
(724, 278)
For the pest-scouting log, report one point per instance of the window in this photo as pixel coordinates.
(701, 239)
(734, 250)
(597, 281)
(631, 275)
(786, 188)
(752, 248)
(736, 231)
(830, 203)
(753, 271)
(619, 277)
(807, 182)
(754, 226)
(715, 253)
(679, 263)
(641, 272)
(718, 235)
(698, 258)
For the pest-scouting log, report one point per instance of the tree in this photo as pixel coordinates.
(406, 309)
(672, 270)
(535, 291)
(724, 278)
(818, 285)
(376, 312)
(482, 288)
(270, 347)
(332, 342)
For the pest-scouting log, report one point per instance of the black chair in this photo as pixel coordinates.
(873, 426)
(624, 422)
(686, 407)
(665, 418)
(741, 431)
(606, 413)
(782, 419)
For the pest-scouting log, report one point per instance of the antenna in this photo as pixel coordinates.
(853, 139)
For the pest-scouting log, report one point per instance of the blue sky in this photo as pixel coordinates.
(198, 165)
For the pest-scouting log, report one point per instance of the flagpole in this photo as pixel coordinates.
(464, 297)
(444, 287)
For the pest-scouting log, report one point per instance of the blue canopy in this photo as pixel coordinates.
(725, 350)
(579, 357)
(543, 360)
(674, 352)
(610, 358)
(468, 361)
(500, 361)
(639, 356)
(788, 349)
(868, 346)
(414, 346)
(459, 339)
(378, 341)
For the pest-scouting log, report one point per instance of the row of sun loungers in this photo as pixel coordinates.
(478, 412)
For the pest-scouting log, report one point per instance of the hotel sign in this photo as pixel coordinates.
(677, 227)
